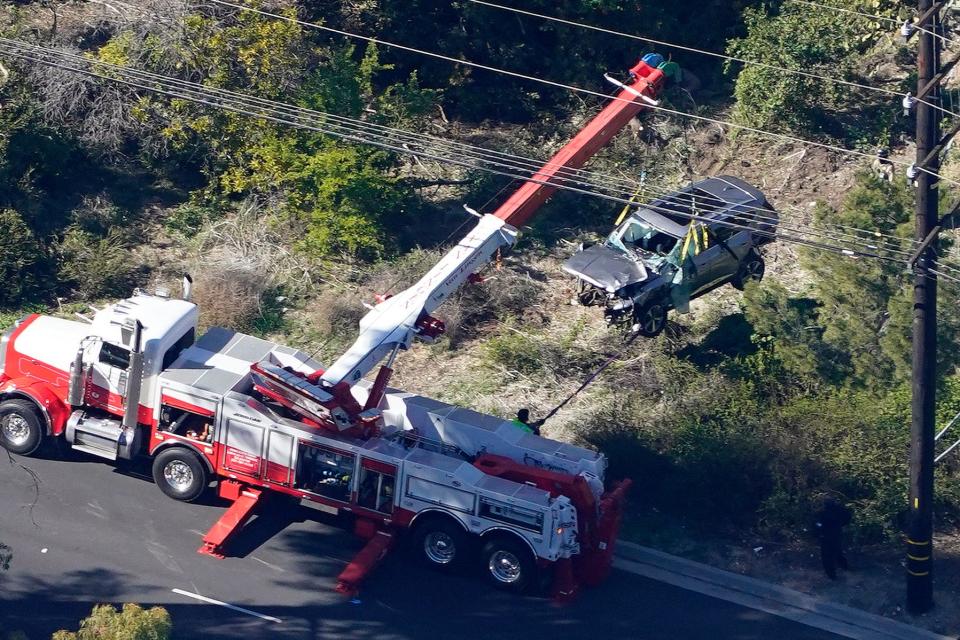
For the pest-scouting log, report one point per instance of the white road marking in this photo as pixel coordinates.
(197, 596)
(272, 566)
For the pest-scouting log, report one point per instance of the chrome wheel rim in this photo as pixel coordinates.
(16, 430)
(439, 547)
(178, 475)
(652, 319)
(505, 567)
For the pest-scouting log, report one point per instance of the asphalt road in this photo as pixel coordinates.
(94, 533)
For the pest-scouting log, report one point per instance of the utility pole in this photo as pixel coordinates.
(922, 427)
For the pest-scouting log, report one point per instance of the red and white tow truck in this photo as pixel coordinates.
(256, 417)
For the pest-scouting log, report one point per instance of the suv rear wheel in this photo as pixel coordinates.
(650, 319)
(751, 270)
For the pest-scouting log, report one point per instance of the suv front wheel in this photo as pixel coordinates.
(751, 270)
(650, 319)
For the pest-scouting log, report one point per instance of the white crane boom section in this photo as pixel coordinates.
(394, 322)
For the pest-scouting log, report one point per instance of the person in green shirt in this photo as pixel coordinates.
(522, 421)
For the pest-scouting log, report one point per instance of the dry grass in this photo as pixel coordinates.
(228, 297)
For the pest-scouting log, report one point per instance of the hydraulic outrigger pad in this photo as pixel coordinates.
(245, 499)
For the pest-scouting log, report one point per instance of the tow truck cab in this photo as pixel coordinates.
(77, 374)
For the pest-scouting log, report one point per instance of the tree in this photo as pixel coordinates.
(133, 622)
(852, 328)
(827, 43)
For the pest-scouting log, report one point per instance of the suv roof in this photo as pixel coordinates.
(718, 196)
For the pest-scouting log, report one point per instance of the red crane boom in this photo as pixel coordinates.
(646, 81)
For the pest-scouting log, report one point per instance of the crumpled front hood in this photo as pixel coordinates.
(605, 267)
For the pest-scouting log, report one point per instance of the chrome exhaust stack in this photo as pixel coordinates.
(134, 378)
(187, 287)
(77, 384)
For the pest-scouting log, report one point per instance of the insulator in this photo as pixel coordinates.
(907, 30)
(908, 103)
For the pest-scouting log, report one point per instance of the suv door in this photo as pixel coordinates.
(736, 242)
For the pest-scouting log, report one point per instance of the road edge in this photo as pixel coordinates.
(764, 596)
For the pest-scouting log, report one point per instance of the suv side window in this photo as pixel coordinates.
(737, 224)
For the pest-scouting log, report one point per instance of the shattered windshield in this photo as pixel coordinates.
(634, 235)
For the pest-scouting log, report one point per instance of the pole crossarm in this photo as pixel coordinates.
(940, 148)
(924, 245)
(937, 79)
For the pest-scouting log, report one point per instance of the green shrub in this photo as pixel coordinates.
(99, 215)
(21, 259)
(133, 622)
(516, 351)
(188, 218)
(96, 266)
(722, 453)
(827, 43)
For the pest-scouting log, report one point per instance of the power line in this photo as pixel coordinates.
(206, 95)
(872, 16)
(560, 85)
(631, 185)
(680, 47)
(871, 250)
(821, 5)
(857, 236)
(513, 162)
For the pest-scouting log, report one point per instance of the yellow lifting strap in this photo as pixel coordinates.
(628, 206)
(697, 236)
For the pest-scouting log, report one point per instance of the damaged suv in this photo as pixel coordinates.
(674, 249)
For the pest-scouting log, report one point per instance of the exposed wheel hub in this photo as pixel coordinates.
(439, 547)
(178, 475)
(16, 430)
(505, 567)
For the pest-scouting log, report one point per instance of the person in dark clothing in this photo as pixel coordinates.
(523, 421)
(829, 527)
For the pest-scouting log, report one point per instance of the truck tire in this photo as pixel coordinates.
(650, 319)
(21, 426)
(440, 544)
(180, 474)
(751, 270)
(509, 565)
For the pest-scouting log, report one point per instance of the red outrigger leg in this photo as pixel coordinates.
(244, 501)
(363, 564)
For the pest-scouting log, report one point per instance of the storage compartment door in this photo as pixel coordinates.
(243, 452)
(280, 459)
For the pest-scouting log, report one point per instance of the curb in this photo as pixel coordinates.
(770, 598)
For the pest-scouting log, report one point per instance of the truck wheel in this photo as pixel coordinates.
(650, 319)
(180, 474)
(509, 565)
(21, 426)
(440, 544)
(751, 270)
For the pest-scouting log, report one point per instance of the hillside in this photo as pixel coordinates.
(735, 422)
